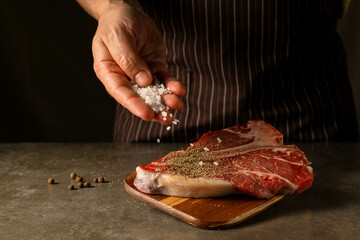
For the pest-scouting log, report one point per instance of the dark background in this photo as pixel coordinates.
(48, 89)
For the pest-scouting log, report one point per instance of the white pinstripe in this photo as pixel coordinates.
(292, 73)
(117, 124)
(248, 58)
(235, 63)
(209, 65)
(125, 122)
(288, 30)
(330, 97)
(164, 35)
(187, 74)
(149, 131)
(187, 105)
(261, 57)
(288, 114)
(309, 103)
(323, 107)
(130, 128)
(328, 90)
(199, 71)
(299, 107)
(319, 94)
(287, 56)
(222, 67)
(274, 54)
(337, 93)
(138, 130)
(176, 65)
(306, 94)
(321, 103)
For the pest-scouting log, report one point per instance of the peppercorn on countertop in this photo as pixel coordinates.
(31, 208)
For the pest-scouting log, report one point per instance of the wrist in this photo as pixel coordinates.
(96, 7)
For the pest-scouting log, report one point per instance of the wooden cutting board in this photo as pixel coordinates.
(209, 213)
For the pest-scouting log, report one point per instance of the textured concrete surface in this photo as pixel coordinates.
(30, 208)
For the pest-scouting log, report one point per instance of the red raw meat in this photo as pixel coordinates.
(248, 158)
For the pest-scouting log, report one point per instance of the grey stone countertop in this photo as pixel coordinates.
(30, 208)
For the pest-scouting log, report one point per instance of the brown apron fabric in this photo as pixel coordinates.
(276, 60)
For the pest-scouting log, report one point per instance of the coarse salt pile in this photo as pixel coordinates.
(152, 95)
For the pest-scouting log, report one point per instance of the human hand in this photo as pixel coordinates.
(128, 46)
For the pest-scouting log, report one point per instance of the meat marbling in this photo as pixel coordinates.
(248, 158)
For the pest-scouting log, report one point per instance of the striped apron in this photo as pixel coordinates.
(276, 60)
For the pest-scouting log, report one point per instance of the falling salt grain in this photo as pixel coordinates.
(216, 163)
(158, 140)
(175, 121)
(206, 149)
(191, 144)
(219, 140)
(168, 128)
(201, 163)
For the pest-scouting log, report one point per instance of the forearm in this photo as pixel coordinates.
(96, 7)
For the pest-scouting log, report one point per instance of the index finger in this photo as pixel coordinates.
(117, 83)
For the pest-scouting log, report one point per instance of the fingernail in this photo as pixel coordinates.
(142, 79)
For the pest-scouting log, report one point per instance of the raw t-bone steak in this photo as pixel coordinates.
(248, 158)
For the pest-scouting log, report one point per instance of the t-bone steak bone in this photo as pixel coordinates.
(248, 158)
